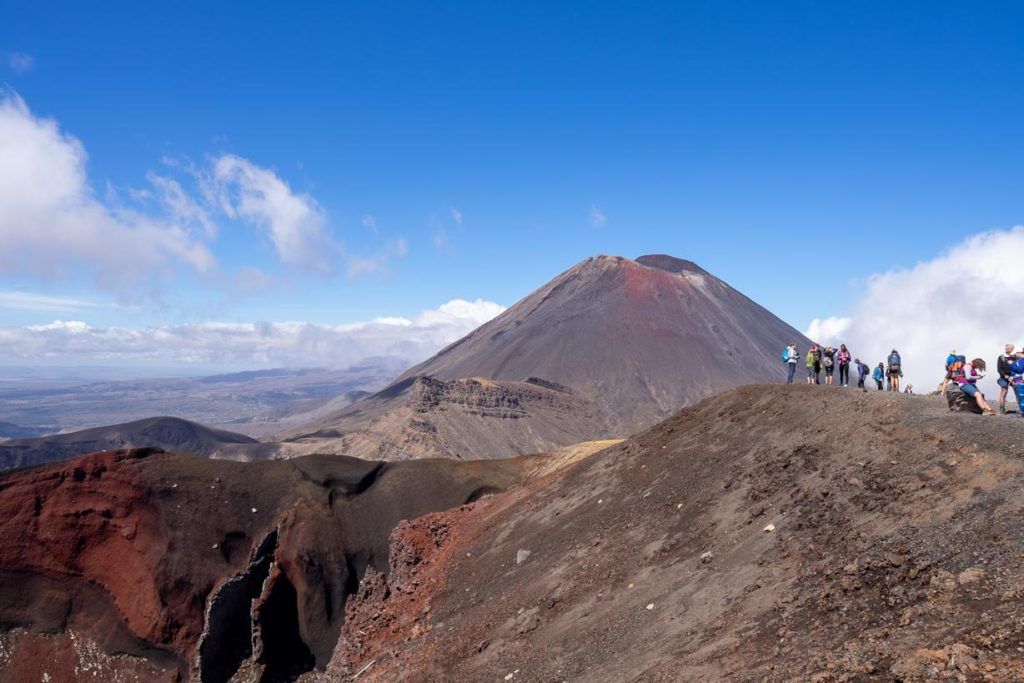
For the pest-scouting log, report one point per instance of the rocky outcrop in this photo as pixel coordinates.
(959, 402)
(462, 418)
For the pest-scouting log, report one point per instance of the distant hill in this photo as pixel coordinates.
(631, 341)
(9, 430)
(170, 433)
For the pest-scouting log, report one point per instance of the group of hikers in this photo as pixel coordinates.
(824, 361)
(888, 374)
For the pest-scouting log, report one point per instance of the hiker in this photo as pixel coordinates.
(1017, 378)
(950, 359)
(862, 374)
(844, 365)
(968, 378)
(814, 365)
(828, 364)
(909, 389)
(790, 356)
(894, 371)
(879, 375)
(1006, 359)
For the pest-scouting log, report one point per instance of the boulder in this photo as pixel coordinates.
(959, 402)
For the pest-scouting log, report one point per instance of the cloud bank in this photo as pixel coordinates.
(260, 344)
(967, 298)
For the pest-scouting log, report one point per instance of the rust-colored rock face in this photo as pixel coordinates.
(188, 567)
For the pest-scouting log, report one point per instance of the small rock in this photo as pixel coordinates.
(254, 511)
(509, 676)
(679, 506)
(706, 556)
(650, 605)
(599, 501)
(769, 528)
(522, 555)
(971, 575)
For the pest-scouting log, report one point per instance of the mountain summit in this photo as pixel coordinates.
(608, 347)
(640, 338)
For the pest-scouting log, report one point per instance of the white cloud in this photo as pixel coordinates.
(294, 222)
(967, 298)
(456, 216)
(20, 62)
(51, 223)
(28, 301)
(597, 217)
(371, 223)
(248, 344)
(379, 262)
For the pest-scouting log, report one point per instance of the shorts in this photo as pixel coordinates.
(829, 369)
(1003, 382)
(893, 373)
(969, 389)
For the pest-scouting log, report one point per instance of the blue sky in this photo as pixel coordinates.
(794, 149)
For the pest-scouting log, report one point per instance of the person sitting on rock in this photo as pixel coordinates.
(879, 375)
(968, 378)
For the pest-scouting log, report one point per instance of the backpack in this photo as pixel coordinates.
(785, 355)
(956, 368)
(894, 362)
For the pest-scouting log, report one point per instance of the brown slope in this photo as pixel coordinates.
(895, 554)
(465, 418)
(162, 556)
(169, 433)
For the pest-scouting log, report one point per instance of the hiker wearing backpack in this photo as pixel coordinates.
(844, 365)
(950, 359)
(1017, 379)
(790, 356)
(968, 378)
(879, 375)
(828, 364)
(862, 374)
(1006, 359)
(894, 370)
(814, 365)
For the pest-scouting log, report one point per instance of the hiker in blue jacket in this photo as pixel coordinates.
(862, 374)
(879, 375)
(950, 360)
(790, 356)
(1017, 379)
